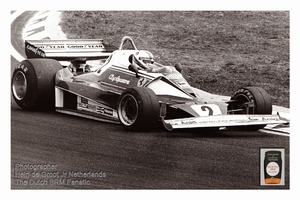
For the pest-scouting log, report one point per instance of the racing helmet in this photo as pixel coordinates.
(143, 58)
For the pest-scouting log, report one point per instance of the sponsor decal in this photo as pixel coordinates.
(275, 118)
(248, 93)
(207, 122)
(84, 100)
(188, 122)
(63, 46)
(23, 67)
(87, 105)
(142, 82)
(270, 118)
(118, 79)
(178, 79)
(104, 111)
(36, 50)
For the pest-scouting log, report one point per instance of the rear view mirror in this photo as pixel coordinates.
(134, 69)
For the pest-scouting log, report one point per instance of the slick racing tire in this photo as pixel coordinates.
(138, 109)
(250, 100)
(33, 84)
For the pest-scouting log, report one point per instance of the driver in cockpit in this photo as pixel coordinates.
(145, 60)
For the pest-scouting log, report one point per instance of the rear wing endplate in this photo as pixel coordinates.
(68, 50)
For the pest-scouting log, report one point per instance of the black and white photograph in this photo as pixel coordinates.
(150, 99)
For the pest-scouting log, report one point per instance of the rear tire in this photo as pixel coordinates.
(254, 95)
(33, 84)
(138, 109)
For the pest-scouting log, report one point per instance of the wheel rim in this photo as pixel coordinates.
(19, 85)
(128, 110)
(243, 100)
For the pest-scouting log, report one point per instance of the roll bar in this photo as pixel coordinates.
(127, 39)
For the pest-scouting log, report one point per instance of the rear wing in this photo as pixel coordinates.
(68, 50)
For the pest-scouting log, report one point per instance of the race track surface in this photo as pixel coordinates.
(88, 154)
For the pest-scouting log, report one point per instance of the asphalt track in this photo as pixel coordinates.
(185, 159)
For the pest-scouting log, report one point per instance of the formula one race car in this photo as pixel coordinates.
(128, 87)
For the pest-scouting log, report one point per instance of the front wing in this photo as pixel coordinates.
(223, 121)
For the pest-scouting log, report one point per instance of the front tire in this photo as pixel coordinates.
(138, 109)
(250, 100)
(33, 83)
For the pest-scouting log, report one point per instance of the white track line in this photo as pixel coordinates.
(37, 21)
(13, 51)
(50, 25)
(37, 36)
